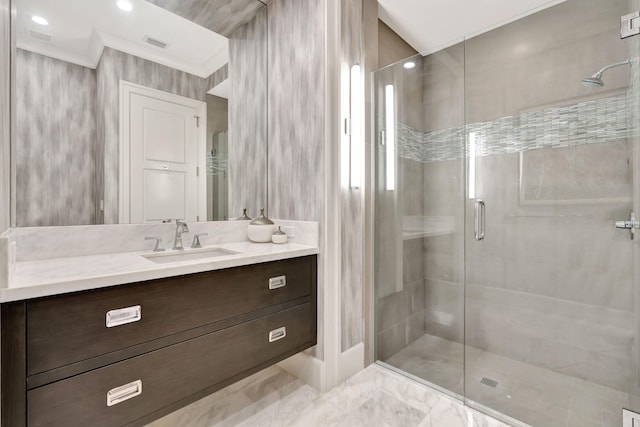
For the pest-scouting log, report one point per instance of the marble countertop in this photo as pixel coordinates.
(39, 278)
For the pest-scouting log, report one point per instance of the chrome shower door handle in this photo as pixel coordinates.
(479, 219)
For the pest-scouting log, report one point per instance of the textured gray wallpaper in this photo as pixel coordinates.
(221, 16)
(352, 200)
(248, 118)
(218, 76)
(296, 109)
(55, 137)
(5, 142)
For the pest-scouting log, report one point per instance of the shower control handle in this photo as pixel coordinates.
(479, 219)
(629, 224)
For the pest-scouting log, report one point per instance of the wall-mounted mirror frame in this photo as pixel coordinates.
(46, 190)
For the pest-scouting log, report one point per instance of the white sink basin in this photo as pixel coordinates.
(188, 255)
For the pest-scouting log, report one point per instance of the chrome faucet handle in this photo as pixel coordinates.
(629, 224)
(183, 224)
(196, 240)
(159, 246)
(181, 227)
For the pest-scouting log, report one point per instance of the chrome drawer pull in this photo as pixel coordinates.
(277, 282)
(277, 334)
(122, 316)
(124, 392)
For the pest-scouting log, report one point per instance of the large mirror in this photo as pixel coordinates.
(130, 111)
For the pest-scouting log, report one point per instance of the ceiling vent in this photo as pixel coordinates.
(40, 36)
(155, 42)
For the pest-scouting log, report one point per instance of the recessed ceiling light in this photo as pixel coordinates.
(39, 20)
(409, 65)
(125, 5)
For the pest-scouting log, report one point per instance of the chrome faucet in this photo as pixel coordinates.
(181, 227)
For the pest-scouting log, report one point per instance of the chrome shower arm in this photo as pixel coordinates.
(617, 64)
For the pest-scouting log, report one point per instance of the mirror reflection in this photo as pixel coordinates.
(136, 111)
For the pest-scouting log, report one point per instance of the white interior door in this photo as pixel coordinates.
(163, 135)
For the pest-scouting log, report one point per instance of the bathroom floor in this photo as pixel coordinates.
(374, 397)
(537, 396)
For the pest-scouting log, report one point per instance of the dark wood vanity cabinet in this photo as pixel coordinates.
(169, 342)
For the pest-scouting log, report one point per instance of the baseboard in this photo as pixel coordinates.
(312, 370)
(351, 362)
(307, 368)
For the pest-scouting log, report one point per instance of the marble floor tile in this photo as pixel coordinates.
(319, 413)
(383, 410)
(279, 407)
(375, 397)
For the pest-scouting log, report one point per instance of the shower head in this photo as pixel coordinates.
(596, 79)
(593, 81)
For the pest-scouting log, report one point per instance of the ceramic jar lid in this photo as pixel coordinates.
(261, 220)
(244, 216)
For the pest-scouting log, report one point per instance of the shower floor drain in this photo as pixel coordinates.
(489, 382)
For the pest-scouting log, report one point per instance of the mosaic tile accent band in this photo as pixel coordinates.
(588, 122)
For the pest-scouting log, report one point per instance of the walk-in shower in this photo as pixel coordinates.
(539, 321)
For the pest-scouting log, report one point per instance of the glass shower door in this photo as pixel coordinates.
(551, 295)
(419, 226)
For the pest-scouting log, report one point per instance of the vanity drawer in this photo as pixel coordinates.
(170, 374)
(65, 329)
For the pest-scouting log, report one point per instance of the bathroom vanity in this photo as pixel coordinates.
(129, 353)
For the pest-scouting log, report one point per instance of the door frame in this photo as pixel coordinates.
(124, 146)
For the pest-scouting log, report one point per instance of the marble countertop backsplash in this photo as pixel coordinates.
(42, 261)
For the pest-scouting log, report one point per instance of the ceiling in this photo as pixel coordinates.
(79, 30)
(431, 25)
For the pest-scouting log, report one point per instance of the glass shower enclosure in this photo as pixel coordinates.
(507, 272)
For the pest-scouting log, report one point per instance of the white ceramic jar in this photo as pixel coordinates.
(279, 236)
(261, 229)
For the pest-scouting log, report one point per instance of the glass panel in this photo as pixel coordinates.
(551, 324)
(419, 217)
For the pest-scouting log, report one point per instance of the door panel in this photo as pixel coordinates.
(164, 160)
(164, 195)
(166, 134)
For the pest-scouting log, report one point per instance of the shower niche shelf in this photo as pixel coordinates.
(417, 227)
